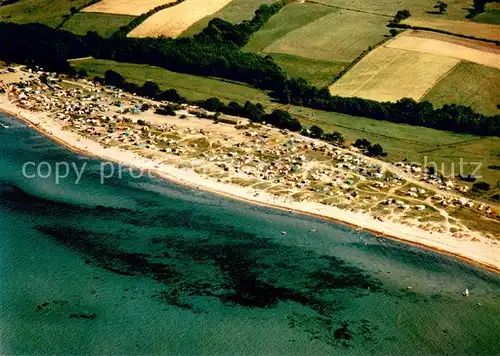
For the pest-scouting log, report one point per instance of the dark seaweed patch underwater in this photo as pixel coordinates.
(149, 267)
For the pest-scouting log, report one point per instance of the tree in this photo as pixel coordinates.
(481, 186)
(334, 137)
(376, 150)
(82, 72)
(362, 143)
(441, 6)
(316, 132)
(393, 32)
(172, 95)
(479, 6)
(150, 89)
(401, 15)
(212, 104)
(113, 78)
(255, 112)
(283, 120)
(166, 110)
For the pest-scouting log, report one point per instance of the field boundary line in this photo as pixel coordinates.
(360, 130)
(358, 59)
(78, 59)
(66, 18)
(439, 80)
(348, 9)
(430, 29)
(453, 145)
(383, 67)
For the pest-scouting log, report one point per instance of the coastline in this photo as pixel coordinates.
(484, 252)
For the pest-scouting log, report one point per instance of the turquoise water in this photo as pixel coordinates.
(144, 266)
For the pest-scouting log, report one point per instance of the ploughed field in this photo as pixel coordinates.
(171, 22)
(467, 28)
(414, 62)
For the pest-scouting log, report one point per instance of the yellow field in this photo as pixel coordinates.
(389, 74)
(480, 30)
(468, 50)
(125, 7)
(173, 21)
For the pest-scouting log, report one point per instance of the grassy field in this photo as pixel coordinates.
(399, 140)
(491, 15)
(388, 74)
(292, 17)
(104, 24)
(318, 73)
(47, 12)
(413, 143)
(189, 86)
(236, 11)
(339, 36)
(469, 84)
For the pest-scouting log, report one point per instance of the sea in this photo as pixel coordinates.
(139, 265)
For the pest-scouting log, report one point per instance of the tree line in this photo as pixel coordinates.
(255, 112)
(215, 52)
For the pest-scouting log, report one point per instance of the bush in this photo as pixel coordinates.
(376, 150)
(172, 95)
(113, 78)
(316, 132)
(401, 15)
(393, 32)
(165, 110)
(334, 137)
(283, 120)
(362, 143)
(150, 89)
(212, 104)
(481, 186)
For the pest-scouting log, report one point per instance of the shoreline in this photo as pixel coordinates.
(477, 253)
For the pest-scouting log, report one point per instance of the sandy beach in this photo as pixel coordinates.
(480, 251)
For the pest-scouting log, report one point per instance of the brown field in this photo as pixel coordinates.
(455, 48)
(173, 21)
(468, 28)
(389, 74)
(125, 7)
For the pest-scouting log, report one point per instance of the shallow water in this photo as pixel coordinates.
(144, 266)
